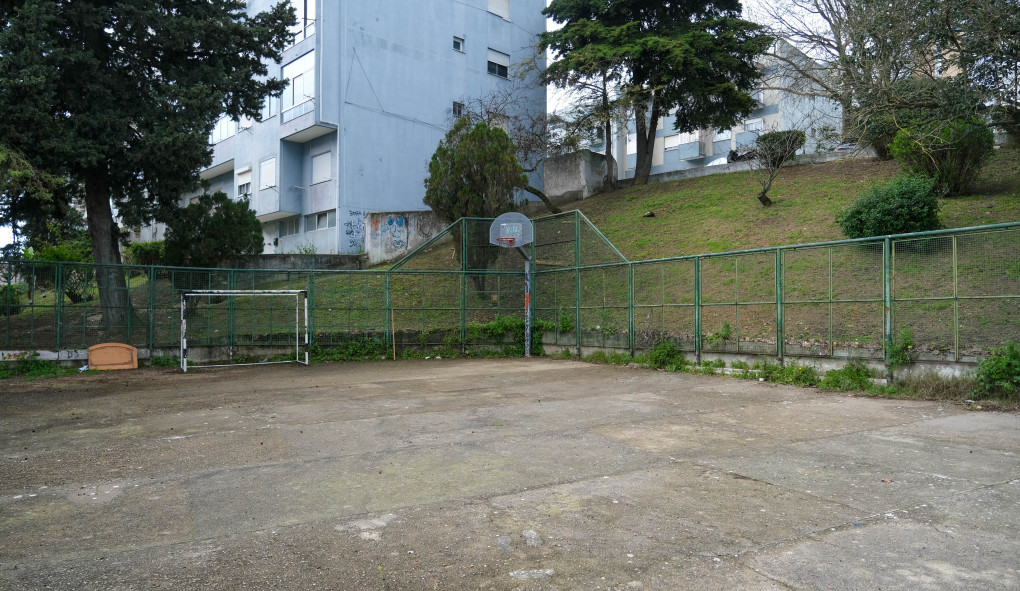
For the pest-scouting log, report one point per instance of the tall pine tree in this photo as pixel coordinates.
(119, 97)
(694, 57)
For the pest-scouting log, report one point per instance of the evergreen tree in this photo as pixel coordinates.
(120, 97)
(473, 173)
(691, 57)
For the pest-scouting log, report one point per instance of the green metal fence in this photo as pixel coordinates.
(957, 293)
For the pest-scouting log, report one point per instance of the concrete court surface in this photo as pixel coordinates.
(496, 474)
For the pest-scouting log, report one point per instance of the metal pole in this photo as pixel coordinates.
(184, 333)
(630, 306)
(697, 309)
(780, 333)
(956, 305)
(887, 295)
(527, 305)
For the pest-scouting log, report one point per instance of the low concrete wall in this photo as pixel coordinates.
(389, 236)
(575, 176)
(282, 262)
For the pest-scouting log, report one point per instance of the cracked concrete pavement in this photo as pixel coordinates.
(505, 474)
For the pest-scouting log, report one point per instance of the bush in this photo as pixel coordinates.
(905, 204)
(998, 376)
(212, 230)
(776, 147)
(854, 376)
(666, 354)
(145, 253)
(10, 299)
(952, 153)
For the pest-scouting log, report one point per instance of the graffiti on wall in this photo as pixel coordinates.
(391, 232)
(354, 228)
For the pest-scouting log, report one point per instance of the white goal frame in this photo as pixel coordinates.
(300, 297)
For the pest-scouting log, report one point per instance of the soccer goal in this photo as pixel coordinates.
(243, 321)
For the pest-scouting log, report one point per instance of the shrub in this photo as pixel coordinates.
(212, 230)
(999, 374)
(952, 153)
(775, 148)
(803, 375)
(903, 205)
(854, 376)
(666, 354)
(10, 299)
(145, 253)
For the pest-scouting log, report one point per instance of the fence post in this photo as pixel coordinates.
(697, 309)
(630, 305)
(887, 295)
(577, 281)
(956, 305)
(390, 339)
(58, 294)
(780, 332)
(152, 311)
(309, 326)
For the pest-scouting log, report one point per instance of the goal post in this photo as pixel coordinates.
(221, 310)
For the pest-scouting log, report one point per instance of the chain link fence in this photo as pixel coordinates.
(955, 294)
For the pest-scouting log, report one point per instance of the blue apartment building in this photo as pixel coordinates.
(374, 86)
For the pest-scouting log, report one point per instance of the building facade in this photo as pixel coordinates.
(374, 86)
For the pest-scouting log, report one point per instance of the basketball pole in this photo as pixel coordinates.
(527, 301)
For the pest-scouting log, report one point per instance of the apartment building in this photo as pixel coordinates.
(374, 86)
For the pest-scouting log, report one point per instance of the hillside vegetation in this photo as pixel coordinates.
(719, 212)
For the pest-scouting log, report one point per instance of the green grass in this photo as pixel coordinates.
(719, 212)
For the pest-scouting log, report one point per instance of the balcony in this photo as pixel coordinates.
(270, 206)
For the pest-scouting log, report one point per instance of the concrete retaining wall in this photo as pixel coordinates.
(389, 236)
(575, 176)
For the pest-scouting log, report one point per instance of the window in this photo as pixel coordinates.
(267, 174)
(672, 142)
(270, 107)
(243, 184)
(723, 134)
(458, 44)
(754, 124)
(320, 221)
(297, 98)
(759, 97)
(632, 143)
(245, 123)
(305, 26)
(500, 8)
(289, 227)
(321, 167)
(224, 128)
(499, 64)
(690, 137)
(458, 109)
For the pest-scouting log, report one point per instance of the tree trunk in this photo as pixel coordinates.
(610, 159)
(645, 141)
(113, 294)
(545, 199)
(764, 199)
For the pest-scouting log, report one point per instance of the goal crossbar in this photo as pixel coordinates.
(300, 301)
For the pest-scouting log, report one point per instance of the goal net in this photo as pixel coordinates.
(247, 327)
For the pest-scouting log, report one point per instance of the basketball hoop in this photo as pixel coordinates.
(505, 241)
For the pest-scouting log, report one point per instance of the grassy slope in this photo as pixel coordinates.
(720, 213)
